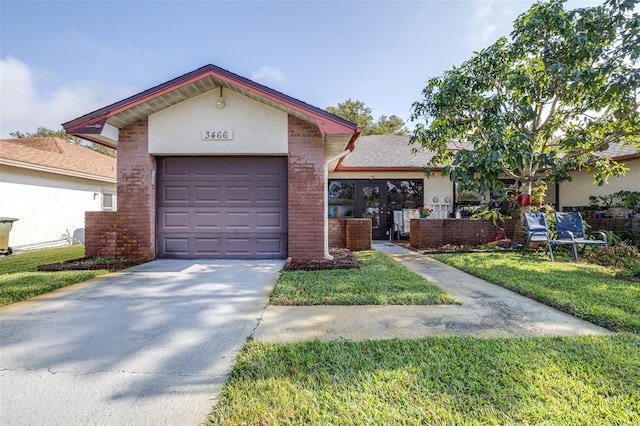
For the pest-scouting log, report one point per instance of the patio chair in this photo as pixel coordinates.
(537, 231)
(570, 230)
(398, 224)
(402, 221)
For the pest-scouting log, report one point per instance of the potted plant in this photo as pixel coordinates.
(424, 212)
(465, 213)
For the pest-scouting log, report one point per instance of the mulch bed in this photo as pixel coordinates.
(89, 264)
(342, 259)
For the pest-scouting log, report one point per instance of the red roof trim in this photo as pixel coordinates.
(326, 122)
(339, 168)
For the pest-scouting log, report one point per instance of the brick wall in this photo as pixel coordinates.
(136, 194)
(358, 234)
(100, 234)
(306, 191)
(610, 224)
(338, 233)
(434, 233)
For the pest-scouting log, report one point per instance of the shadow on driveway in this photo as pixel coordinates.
(150, 345)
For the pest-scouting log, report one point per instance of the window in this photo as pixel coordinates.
(108, 200)
(342, 199)
(405, 194)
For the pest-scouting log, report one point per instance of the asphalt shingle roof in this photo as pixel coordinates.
(57, 154)
(392, 151)
(385, 151)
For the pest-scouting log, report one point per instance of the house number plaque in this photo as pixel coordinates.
(217, 135)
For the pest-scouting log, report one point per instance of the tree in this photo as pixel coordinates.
(357, 112)
(540, 104)
(62, 134)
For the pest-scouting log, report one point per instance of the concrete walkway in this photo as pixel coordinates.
(484, 310)
(152, 345)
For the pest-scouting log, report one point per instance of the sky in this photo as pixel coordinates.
(62, 59)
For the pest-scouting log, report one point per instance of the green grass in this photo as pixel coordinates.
(19, 279)
(588, 380)
(586, 291)
(380, 280)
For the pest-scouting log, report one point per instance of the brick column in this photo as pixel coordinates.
(358, 234)
(100, 235)
(136, 193)
(306, 191)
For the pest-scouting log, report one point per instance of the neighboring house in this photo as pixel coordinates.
(383, 174)
(48, 184)
(213, 165)
(575, 193)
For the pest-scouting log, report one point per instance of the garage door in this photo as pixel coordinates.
(222, 207)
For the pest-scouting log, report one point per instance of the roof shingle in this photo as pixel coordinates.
(57, 154)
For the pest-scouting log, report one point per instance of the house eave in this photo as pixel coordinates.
(202, 80)
(41, 168)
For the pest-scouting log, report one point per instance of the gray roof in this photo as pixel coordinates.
(617, 151)
(391, 151)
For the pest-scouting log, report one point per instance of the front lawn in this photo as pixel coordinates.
(19, 279)
(587, 291)
(456, 380)
(380, 280)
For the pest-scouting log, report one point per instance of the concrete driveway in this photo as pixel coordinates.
(152, 345)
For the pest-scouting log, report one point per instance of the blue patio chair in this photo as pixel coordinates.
(570, 230)
(537, 231)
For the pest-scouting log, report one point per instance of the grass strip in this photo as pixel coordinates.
(19, 279)
(436, 381)
(587, 291)
(380, 280)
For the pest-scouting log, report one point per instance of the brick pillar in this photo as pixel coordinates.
(306, 191)
(136, 193)
(100, 235)
(358, 234)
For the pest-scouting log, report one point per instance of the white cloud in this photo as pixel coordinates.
(23, 107)
(489, 21)
(269, 75)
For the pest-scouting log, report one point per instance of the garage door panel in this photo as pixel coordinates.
(271, 194)
(238, 220)
(176, 168)
(269, 221)
(270, 247)
(176, 246)
(175, 194)
(208, 194)
(207, 220)
(239, 195)
(175, 220)
(222, 207)
(207, 246)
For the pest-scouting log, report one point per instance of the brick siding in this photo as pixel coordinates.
(434, 233)
(610, 224)
(100, 234)
(136, 194)
(306, 191)
(358, 234)
(338, 233)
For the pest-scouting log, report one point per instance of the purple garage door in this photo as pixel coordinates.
(222, 207)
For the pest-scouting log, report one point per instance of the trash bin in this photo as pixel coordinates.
(6, 223)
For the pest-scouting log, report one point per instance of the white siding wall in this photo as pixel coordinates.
(257, 128)
(577, 191)
(46, 204)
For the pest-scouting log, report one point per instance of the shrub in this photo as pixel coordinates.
(622, 255)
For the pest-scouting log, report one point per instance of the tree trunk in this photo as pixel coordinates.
(525, 207)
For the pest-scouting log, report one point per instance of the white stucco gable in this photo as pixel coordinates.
(256, 127)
